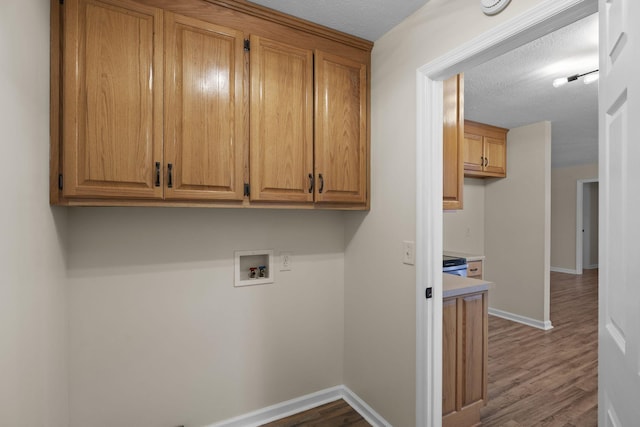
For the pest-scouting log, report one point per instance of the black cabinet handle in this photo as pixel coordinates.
(486, 161)
(157, 174)
(170, 175)
(310, 183)
(321, 183)
(481, 160)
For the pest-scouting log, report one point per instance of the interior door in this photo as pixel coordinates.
(619, 106)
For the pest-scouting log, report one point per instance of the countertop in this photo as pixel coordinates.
(469, 257)
(453, 285)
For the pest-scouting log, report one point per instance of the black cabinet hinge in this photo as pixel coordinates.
(247, 45)
(61, 1)
(60, 182)
(429, 293)
(247, 191)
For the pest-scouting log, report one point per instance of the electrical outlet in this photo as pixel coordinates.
(285, 261)
(408, 252)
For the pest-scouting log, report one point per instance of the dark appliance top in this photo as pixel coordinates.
(451, 261)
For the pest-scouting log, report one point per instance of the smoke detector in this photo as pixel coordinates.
(493, 7)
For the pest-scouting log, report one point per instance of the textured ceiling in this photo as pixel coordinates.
(516, 89)
(368, 19)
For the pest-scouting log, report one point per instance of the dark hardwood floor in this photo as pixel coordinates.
(536, 378)
(334, 414)
(547, 378)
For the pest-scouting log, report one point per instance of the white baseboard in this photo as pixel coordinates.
(563, 270)
(591, 267)
(545, 326)
(303, 403)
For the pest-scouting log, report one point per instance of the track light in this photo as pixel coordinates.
(589, 77)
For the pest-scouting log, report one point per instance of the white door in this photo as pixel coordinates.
(619, 104)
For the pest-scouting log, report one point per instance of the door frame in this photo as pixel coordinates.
(579, 225)
(547, 16)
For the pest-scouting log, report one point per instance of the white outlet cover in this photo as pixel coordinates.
(286, 258)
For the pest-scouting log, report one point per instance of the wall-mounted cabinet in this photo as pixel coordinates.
(485, 150)
(206, 103)
(452, 139)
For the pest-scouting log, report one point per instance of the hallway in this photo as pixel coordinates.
(547, 378)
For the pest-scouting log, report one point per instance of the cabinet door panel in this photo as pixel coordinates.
(112, 107)
(449, 355)
(341, 130)
(281, 122)
(204, 138)
(495, 153)
(474, 348)
(473, 152)
(452, 138)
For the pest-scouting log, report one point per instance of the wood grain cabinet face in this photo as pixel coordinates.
(452, 140)
(474, 269)
(485, 150)
(341, 143)
(465, 359)
(204, 128)
(205, 103)
(281, 122)
(112, 99)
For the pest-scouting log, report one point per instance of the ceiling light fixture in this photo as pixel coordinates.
(589, 77)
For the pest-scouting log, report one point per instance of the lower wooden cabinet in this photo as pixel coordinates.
(464, 359)
(474, 269)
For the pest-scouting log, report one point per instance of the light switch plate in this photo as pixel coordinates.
(408, 252)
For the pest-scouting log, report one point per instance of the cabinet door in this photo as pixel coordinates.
(112, 106)
(473, 152)
(496, 154)
(452, 138)
(281, 122)
(449, 355)
(204, 137)
(341, 143)
(473, 354)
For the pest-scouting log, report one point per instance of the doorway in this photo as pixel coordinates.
(540, 20)
(587, 193)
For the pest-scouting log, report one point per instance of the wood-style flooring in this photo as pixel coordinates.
(547, 378)
(333, 414)
(536, 378)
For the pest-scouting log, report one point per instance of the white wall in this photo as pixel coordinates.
(563, 213)
(463, 230)
(380, 343)
(160, 336)
(33, 325)
(517, 225)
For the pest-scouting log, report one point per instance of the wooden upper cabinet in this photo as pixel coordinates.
(485, 150)
(205, 103)
(112, 99)
(452, 143)
(204, 141)
(281, 122)
(341, 142)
